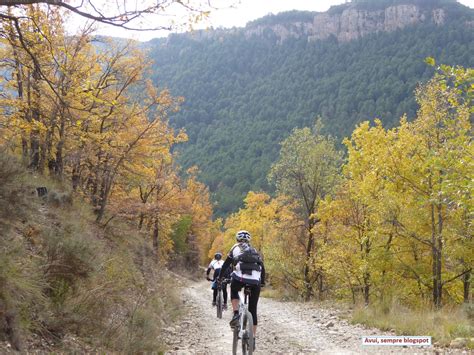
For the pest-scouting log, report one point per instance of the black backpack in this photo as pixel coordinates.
(248, 260)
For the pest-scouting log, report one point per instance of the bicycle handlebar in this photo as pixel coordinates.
(226, 280)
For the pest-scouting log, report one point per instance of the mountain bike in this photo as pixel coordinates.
(219, 298)
(244, 331)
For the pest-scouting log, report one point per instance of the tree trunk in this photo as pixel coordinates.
(105, 188)
(436, 244)
(34, 150)
(104, 197)
(47, 144)
(59, 162)
(308, 286)
(155, 236)
(140, 221)
(367, 273)
(76, 177)
(35, 117)
(320, 285)
(366, 288)
(466, 281)
(19, 81)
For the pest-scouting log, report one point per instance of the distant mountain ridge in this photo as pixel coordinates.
(245, 89)
(350, 21)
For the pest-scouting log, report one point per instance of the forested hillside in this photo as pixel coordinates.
(246, 89)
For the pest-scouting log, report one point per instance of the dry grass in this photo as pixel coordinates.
(268, 292)
(443, 326)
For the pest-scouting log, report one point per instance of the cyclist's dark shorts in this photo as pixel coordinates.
(236, 286)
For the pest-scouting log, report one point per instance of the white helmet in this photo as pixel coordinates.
(242, 236)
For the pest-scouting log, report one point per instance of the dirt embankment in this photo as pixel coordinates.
(284, 328)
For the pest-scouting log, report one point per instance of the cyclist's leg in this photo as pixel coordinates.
(224, 292)
(253, 301)
(235, 287)
(214, 296)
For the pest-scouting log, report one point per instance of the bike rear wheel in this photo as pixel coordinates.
(247, 339)
(219, 304)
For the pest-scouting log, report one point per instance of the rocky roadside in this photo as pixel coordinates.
(38, 345)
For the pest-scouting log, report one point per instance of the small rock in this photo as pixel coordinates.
(329, 324)
(458, 343)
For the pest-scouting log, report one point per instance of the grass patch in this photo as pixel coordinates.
(443, 326)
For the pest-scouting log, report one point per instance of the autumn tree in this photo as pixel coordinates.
(307, 171)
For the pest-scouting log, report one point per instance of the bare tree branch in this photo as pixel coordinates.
(124, 17)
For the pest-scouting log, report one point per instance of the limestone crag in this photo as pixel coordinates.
(353, 23)
(345, 22)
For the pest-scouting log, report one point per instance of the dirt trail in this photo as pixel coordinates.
(284, 328)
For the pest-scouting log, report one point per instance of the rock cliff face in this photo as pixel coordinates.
(354, 23)
(345, 22)
(351, 23)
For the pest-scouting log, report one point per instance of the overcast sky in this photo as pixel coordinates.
(243, 12)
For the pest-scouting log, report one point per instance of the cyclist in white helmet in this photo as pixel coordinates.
(216, 265)
(248, 270)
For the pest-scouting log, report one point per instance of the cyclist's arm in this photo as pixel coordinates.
(262, 275)
(227, 264)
